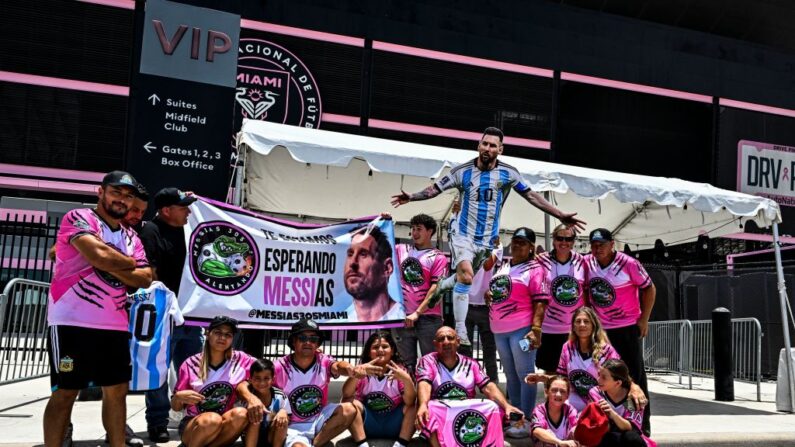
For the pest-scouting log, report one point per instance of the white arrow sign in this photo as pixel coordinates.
(154, 98)
(148, 146)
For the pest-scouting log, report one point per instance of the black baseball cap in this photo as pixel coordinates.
(600, 235)
(142, 193)
(120, 178)
(221, 320)
(524, 233)
(173, 196)
(304, 325)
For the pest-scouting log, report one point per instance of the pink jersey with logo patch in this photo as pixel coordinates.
(514, 290)
(623, 409)
(566, 424)
(81, 295)
(582, 372)
(307, 390)
(566, 285)
(613, 290)
(465, 423)
(218, 388)
(419, 269)
(456, 383)
(379, 394)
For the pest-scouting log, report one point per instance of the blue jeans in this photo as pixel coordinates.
(185, 341)
(517, 364)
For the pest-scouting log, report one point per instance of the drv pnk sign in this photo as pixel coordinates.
(766, 170)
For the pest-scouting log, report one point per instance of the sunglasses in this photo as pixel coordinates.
(309, 338)
(446, 337)
(565, 239)
(222, 334)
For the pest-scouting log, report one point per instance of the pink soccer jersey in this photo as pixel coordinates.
(456, 383)
(218, 388)
(307, 390)
(465, 423)
(379, 394)
(582, 372)
(419, 269)
(514, 290)
(565, 425)
(623, 409)
(614, 289)
(81, 295)
(566, 285)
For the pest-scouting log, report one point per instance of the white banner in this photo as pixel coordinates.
(766, 170)
(267, 272)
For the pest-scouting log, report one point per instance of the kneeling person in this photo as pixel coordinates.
(304, 376)
(448, 413)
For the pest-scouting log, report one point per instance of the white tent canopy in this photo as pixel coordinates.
(328, 175)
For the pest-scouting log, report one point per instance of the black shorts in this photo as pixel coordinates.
(83, 357)
(548, 355)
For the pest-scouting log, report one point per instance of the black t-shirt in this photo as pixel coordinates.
(165, 249)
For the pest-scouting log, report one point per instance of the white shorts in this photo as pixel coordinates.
(463, 248)
(305, 432)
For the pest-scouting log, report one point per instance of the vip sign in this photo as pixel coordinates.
(189, 43)
(275, 85)
(766, 170)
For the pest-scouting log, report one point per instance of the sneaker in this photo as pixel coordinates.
(518, 430)
(159, 434)
(438, 293)
(479, 259)
(67, 436)
(461, 330)
(130, 438)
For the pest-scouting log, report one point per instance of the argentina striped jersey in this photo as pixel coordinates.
(483, 194)
(153, 312)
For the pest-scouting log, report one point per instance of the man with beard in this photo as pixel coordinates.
(484, 184)
(97, 259)
(135, 215)
(368, 266)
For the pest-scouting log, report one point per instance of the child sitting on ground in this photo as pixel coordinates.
(554, 420)
(273, 429)
(611, 396)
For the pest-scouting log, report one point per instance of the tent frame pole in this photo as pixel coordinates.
(782, 296)
(546, 224)
(240, 173)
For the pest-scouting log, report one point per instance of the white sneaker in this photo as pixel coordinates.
(130, 438)
(518, 430)
(461, 330)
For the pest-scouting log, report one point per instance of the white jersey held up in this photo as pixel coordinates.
(153, 313)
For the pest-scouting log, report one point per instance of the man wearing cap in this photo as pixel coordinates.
(304, 376)
(484, 184)
(135, 215)
(447, 412)
(164, 240)
(622, 294)
(96, 260)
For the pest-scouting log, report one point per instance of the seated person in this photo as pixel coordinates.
(554, 420)
(612, 397)
(206, 389)
(386, 400)
(269, 429)
(448, 413)
(304, 376)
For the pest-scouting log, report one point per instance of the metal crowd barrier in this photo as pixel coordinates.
(23, 330)
(684, 347)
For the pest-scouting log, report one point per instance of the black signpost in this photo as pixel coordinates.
(182, 99)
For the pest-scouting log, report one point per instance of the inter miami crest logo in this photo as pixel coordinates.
(500, 287)
(602, 292)
(566, 290)
(306, 400)
(582, 382)
(412, 271)
(469, 427)
(224, 258)
(216, 396)
(274, 85)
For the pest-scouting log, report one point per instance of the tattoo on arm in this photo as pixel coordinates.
(427, 193)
